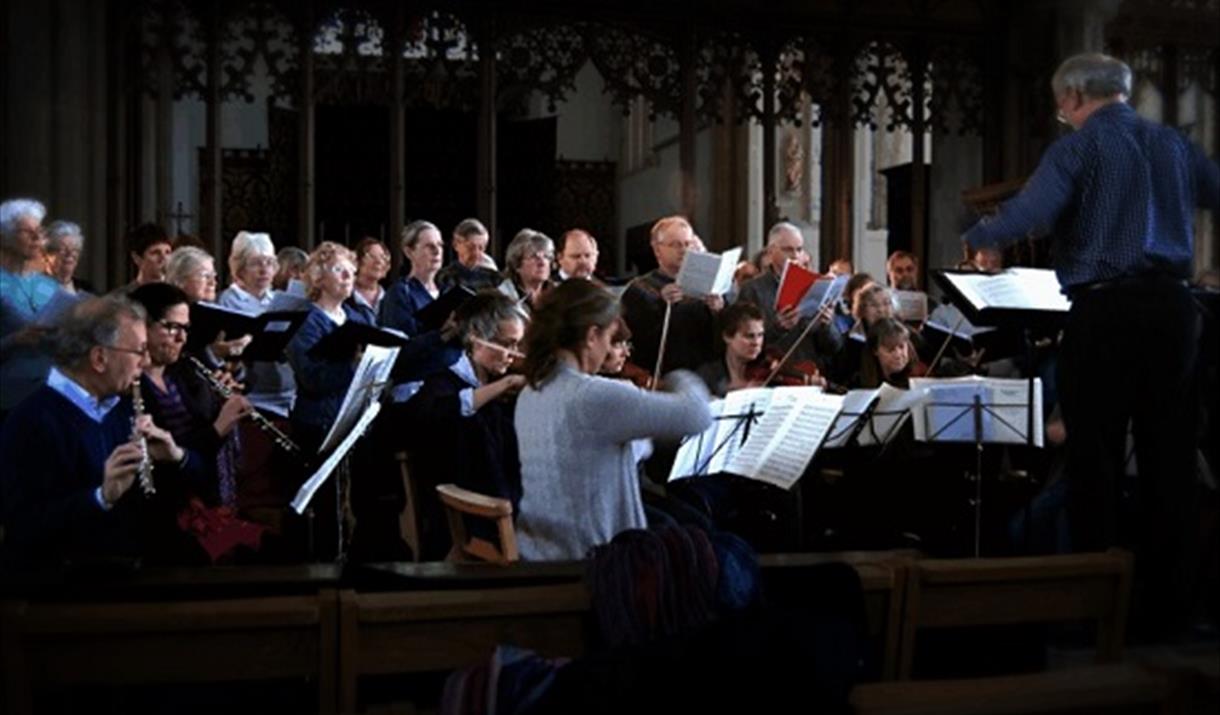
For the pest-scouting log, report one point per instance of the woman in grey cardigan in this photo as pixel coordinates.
(574, 429)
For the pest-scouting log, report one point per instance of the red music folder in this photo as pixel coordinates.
(794, 283)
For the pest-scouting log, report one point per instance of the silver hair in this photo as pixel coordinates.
(246, 246)
(481, 316)
(526, 242)
(410, 233)
(779, 228)
(292, 256)
(58, 234)
(13, 210)
(184, 262)
(92, 322)
(1094, 75)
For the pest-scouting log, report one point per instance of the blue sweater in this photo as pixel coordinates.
(321, 382)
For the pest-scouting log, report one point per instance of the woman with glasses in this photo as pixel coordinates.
(203, 424)
(528, 264)
(461, 421)
(322, 380)
(372, 265)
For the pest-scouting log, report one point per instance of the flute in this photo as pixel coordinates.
(276, 434)
(146, 464)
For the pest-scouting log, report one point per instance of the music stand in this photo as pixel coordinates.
(745, 421)
(973, 420)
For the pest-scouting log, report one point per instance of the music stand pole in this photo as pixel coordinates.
(978, 475)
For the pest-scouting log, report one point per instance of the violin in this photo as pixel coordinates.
(640, 377)
(793, 373)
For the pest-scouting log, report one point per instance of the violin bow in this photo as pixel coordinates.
(795, 344)
(941, 352)
(656, 373)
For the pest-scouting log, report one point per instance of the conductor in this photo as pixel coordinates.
(1119, 196)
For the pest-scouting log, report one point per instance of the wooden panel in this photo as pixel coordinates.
(435, 605)
(1015, 602)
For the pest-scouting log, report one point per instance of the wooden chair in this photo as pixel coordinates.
(408, 520)
(1044, 589)
(463, 502)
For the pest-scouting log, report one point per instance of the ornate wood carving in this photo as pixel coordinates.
(260, 31)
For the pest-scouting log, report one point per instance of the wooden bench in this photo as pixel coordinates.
(1117, 688)
(143, 631)
(1045, 589)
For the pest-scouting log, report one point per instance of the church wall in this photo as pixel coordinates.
(589, 125)
(957, 164)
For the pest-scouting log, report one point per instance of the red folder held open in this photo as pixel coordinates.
(794, 283)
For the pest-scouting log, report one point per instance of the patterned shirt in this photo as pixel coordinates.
(1119, 196)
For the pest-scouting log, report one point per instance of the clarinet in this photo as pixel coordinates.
(266, 425)
(146, 464)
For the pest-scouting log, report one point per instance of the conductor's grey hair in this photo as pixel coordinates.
(1094, 75)
(92, 322)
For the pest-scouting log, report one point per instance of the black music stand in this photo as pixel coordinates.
(972, 422)
(745, 421)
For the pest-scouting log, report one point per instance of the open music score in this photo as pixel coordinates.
(1004, 406)
(708, 273)
(1033, 289)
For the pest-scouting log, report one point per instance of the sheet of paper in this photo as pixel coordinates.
(893, 409)
(783, 443)
(910, 305)
(949, 320)
(310, 487)
(708, 273)
(825, 291)
(1005, 402)
(371, 376)
(1016, 288)
(855, 402)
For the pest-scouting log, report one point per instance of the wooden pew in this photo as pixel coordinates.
(1114, 688)
(173, 626)
(1044, 589)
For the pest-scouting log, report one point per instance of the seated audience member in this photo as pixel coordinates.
(372, 265)
(24, 291)
(741, 329)
(291, 262)
(692, 324)
(577, 255)
(64, 244)
(528, 265)
(575, 430)
(889, 358)
(785, 243)
(460, 422)
(470, 248)
(68, 457)
(322, 380)
(150, 248)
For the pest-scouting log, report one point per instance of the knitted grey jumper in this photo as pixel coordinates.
(578, 472)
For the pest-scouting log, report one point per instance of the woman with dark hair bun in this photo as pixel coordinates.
(575, 429)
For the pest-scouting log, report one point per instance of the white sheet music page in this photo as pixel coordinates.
(1015, 288)
(855, 402)
(708, 273)
(372, 373)
(310, 487)
(1006, 401)
(789, 434)
(696, 450)
(709, 451)
(911, 305)
(893, 408)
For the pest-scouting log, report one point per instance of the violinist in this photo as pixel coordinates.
(741, 329)
(460, 423)
(618, 360)
(890, 357)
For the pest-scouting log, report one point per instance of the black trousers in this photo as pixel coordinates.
(1128, 357)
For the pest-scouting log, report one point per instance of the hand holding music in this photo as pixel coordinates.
(120, 471)
(715, 303)
(161, 444)
(825, 315)
(225, 349)
(672, 293)
(787, 318)
(233, 411)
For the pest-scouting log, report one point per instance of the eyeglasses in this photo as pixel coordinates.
(509, 348)
(142, 351)
(174, 329)
(678, 245)
(546, 257)
(261, 262)
(340, 268)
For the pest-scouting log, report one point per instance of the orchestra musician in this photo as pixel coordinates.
(459, 425)
(889, 357)
(742, 328)
(575, 430)
(69, 453)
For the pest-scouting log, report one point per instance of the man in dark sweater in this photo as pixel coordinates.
(692, 324)
(67, 456)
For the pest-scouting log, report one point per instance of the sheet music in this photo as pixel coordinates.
(893, 408)
(1015, 288)
(910, 305)
(949, 320)
(825, 291)
(789, 434)
(855, 402)
(372, 374)
(708, 273)
(311, 485)
(1006, 402)
(709, 451)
